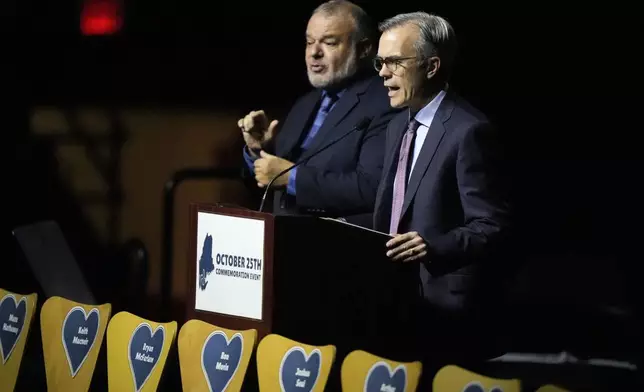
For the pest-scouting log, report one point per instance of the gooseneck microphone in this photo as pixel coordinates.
(363, 123)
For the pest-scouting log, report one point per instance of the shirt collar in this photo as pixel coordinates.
(338, 94)
(426, 114)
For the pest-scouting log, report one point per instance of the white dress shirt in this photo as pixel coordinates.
(425, 117)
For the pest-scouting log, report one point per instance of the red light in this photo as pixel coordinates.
(101, 17)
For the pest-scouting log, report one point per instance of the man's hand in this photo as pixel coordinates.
(256, 129)
(268, 166)
(407, 247)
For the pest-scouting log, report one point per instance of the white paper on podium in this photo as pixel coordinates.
(344, 222)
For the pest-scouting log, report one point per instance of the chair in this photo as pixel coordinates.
(456, 379)
(137, 350)
(212, 358)
(551, 388)
(72, 336)
(16, 314)
(363, 371)
(286, 365)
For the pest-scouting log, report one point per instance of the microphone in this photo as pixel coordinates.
(363, 123)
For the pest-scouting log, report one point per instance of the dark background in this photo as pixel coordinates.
(556, 78)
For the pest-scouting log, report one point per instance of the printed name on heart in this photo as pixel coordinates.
(220, 359)
(10, 328)
(382, 378)
(13, 316)
(79, 334)
(81, 341)
(220, 365)
(301, 373)
(143, 356)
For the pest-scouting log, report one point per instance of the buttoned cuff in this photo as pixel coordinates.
(250, 160)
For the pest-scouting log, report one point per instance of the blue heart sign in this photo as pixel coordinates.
(381, 378)
(12, 321)
(477, 387)
(299, 372)
(220, 358)
(79, 334)
(144, 351)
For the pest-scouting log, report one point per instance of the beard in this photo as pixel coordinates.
(338, 77)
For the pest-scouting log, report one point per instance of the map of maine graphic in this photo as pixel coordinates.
(206, 265)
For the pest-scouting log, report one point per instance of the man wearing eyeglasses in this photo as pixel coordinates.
(442, 195)
(343, 179)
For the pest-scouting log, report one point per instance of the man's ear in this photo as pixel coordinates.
(364, 48)
(433, 65)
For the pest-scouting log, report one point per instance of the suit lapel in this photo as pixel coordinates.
(432, 141)
(304, 117)
(344, 105)
(342, 108)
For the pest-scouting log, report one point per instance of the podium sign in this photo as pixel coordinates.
(230, 265)
(230, 257)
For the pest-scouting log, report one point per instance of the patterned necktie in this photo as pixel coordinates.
(325, 107)
(400, 181)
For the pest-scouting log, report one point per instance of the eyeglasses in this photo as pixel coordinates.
(391, 63)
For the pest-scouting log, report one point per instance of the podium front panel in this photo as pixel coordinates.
(333, 284)
(230, 267)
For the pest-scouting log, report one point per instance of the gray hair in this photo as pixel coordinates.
(363, 23)
(436, 38)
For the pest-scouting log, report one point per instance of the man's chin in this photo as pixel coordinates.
(319, 81)
(397, 103)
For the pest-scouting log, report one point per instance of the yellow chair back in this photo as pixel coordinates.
(363, 371)
(284, 365)
(551, 388)
(137, 350)
(456, 379)
(72, 336)
(212, 358)
(16, 314)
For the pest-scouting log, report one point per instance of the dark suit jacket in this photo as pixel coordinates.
(456, 200)
(343, 179)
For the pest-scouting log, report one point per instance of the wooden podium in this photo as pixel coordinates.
(315, 280)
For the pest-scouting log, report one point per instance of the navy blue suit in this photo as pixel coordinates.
(456, 199)
(341, 181)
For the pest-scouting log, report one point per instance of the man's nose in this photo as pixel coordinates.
(384, 72)
(315, 51)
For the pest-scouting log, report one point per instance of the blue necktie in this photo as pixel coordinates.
(325, 108)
